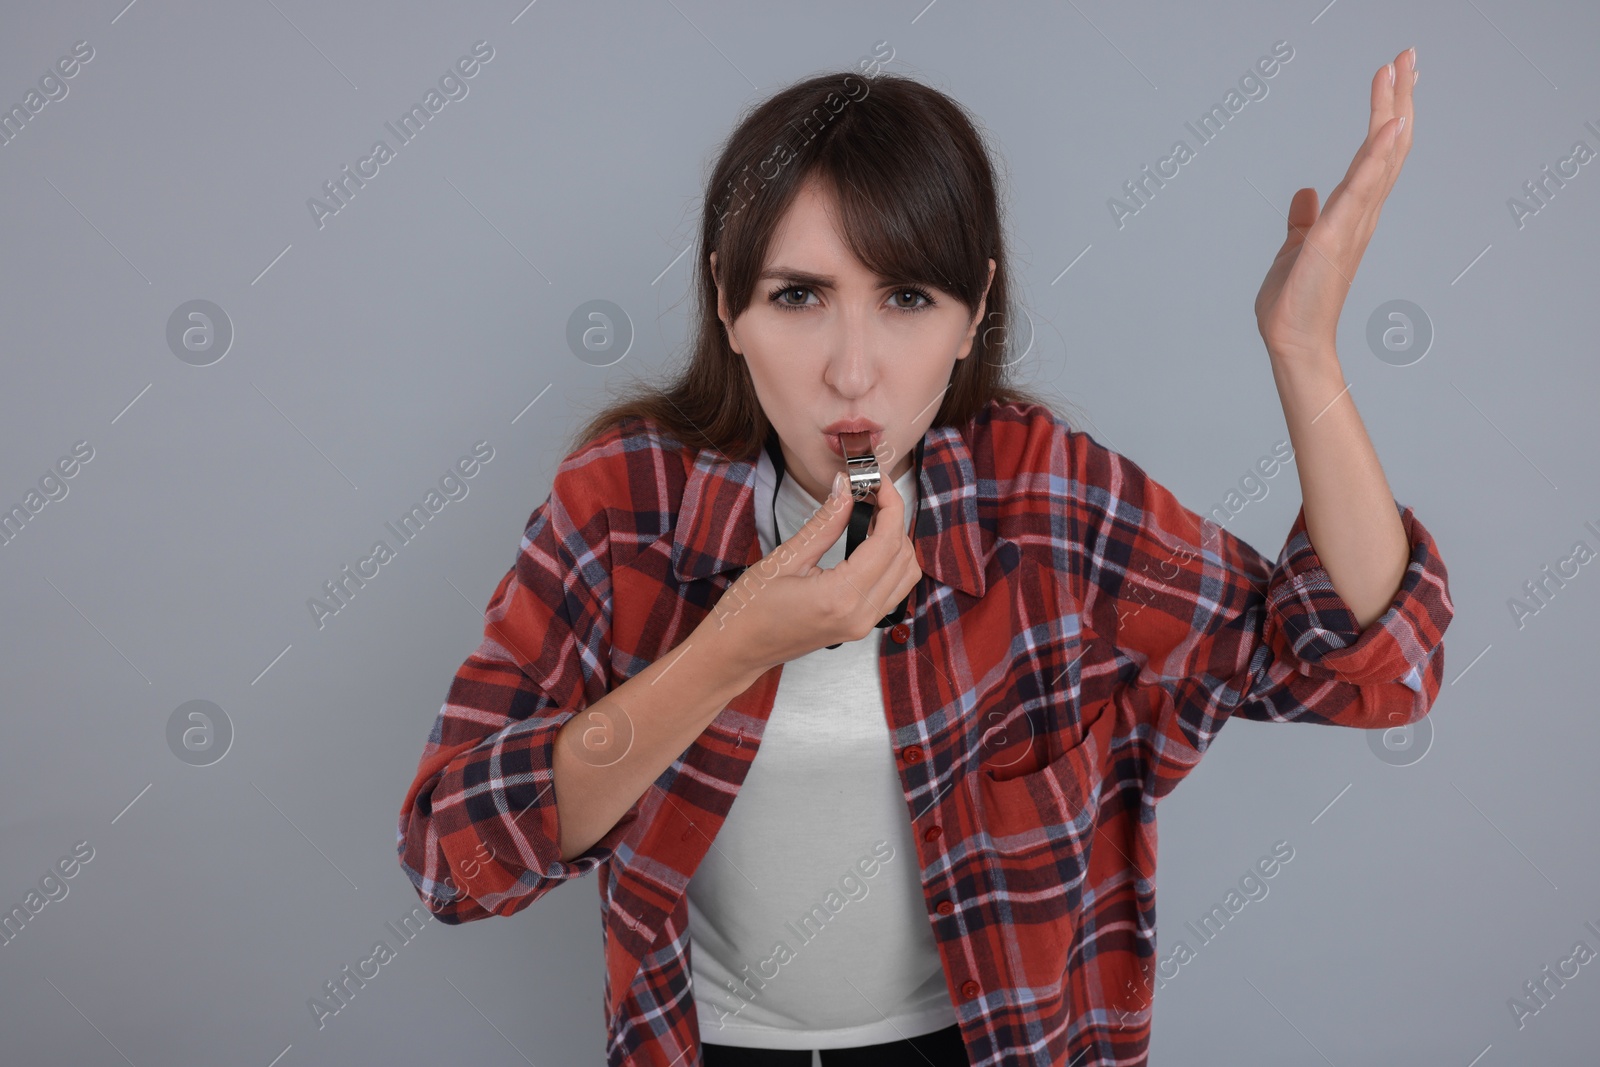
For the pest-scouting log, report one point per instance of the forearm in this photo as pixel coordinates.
(1351, 519)
(607, 755)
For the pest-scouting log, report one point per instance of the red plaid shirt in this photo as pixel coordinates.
(1078, 639)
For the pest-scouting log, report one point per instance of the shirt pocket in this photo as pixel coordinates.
(1038, 756)
(1041, 792)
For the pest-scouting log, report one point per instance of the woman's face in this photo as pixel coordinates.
(827, 341)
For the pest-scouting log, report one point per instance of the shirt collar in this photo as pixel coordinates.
(716, 526)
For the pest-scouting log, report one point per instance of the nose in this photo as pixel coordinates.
(851, 368)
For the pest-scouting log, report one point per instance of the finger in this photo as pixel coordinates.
(1405, 109)
(1398, 139)
(1402, 108)
(1389, 90)
(877, 553)
(878, 585)
(888, 515)
(1391, 98)
(1355, 204)
(896, 581)
(891, 505)
(864, 582)
(1405, 89)
(1371, 175)
(816, 535)
(1385, 87)
(887, 534)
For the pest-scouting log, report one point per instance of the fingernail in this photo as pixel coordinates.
(1413, 57)
(838, 486)
(1391, 73)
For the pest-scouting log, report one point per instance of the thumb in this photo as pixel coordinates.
(1302, 215)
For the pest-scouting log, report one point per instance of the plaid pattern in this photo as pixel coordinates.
(1077, 641)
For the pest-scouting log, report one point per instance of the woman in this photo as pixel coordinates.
(945, 850)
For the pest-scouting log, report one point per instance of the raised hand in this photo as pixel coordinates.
(1297, 309)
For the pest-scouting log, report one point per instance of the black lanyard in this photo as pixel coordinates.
(860, 513)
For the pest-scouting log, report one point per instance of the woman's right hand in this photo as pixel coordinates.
(785, 606)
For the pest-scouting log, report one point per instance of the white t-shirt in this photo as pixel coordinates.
(808, 925)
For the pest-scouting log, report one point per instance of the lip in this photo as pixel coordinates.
(837, 446)
(851, 426)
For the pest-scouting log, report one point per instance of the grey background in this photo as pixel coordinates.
(371, 353)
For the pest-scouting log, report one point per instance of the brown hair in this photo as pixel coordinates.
(917, 202)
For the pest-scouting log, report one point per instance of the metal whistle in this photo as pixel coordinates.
(862, 465)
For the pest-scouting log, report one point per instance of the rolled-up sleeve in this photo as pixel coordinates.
(479, 832)
(1313, 623)
(1201, 627)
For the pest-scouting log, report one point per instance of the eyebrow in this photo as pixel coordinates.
(805, 277)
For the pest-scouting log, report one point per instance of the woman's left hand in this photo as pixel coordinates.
(1297, 309)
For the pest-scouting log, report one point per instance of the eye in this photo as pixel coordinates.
(774, 296)
(779, 298)
(914, 292)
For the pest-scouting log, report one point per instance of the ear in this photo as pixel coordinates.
(722, 309)
(983, 302)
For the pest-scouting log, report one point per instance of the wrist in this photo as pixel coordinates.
(1308, 381)
(1320, 362)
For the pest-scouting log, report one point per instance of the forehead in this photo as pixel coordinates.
(807, 237)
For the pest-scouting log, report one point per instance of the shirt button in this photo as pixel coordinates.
(900, 632)
(932, 833)
(944, 907)
(911, 754)
(969, 989)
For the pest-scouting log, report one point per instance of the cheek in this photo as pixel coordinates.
(776, 368)
(932, 356)
(942, 335)
(785, 384)
(756, 351)
(784, 355)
